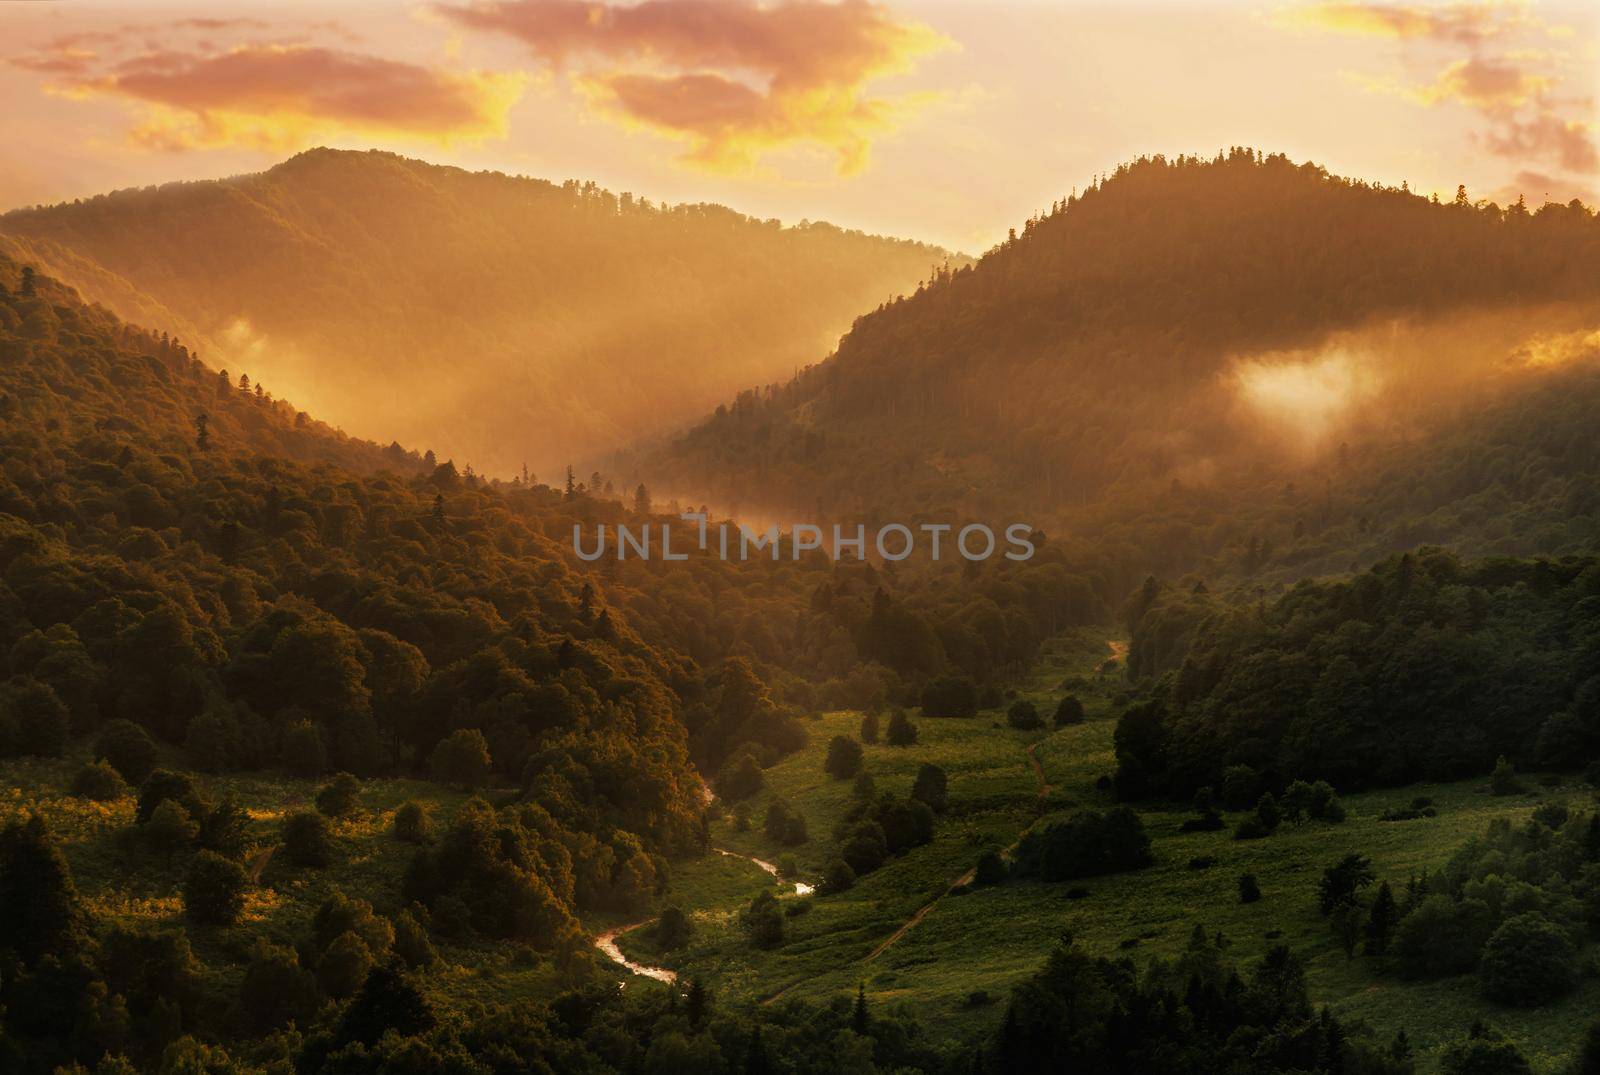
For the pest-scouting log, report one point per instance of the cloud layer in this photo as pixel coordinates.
(1498, 60)
(731, 78)
(273, 95)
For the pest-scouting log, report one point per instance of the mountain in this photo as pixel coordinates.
(499, 320)
(1188, 328)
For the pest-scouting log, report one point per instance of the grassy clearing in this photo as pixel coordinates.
(956, 965)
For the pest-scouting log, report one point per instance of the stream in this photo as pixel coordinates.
(607, 942)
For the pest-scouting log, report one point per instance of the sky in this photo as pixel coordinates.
(948, 122)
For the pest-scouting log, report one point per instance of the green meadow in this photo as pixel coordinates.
(956, 962)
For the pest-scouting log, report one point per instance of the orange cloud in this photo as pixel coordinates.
(1467, 23)
(1507, 75)
(276, 96)
(1539, 188)
(732, 78)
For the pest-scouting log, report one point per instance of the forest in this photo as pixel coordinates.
(327, 754)
(501, 320)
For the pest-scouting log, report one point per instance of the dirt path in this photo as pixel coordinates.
(966, 878)
(258, 865)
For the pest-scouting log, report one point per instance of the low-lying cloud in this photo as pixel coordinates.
(732, 79)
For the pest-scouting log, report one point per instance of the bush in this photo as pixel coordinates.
(1068, 711)
(304, 750)
(1240, 787)
(1267, 813)
(461, 758)
(276, 990)
(1250, 829)
(902, 733)
(844, 757)
(162, 785)
(950, 696)
(128, 749)
(1503, 781)
(170, 829)
(784, 824)
(869, 728)
(1482, 1054)
(412, 823)
(865, 847)
(837, 877)
(307, 839)
(33, 719)
(411, 942)
(672, 929)
(214, 891)
(344, 966)
(1249, 890)
(991, 869)
(932, 787)
(100, 782)
(339, 796)
(763, 921)
(1441, 937)
(1528, 960)
(1084, 846)
(1023, 715)
(740, 778)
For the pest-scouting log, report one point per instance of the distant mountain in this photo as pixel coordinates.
(1202, 329)
(496, 319)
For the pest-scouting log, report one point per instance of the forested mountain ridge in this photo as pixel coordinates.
(1094, 354)
(500, 320)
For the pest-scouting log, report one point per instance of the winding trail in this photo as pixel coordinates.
(966, 878)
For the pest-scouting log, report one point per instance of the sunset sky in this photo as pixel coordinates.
(947, 122)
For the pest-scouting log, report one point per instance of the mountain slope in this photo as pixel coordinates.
(496, 319)
(1184, 322)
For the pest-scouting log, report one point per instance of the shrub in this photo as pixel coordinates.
(950, 696)
(763, 921)
(844, 757)
(740, 778)
(991, 869)
(869, 728)
(837, 877)
(33, 719)
(672, 929)
(1084, 846)
(784, 824)
(865, 847)
(100, 782)
(1342, 882)
(1482, 1054)
(163, 784)
(1024, 715)
(1503, 781)
(276, 990)
(339, 796)
(412, 823)
(307, 839)
(1068, 711)
(344, 966)
(128, 749)
(1528, 960)
(1250, 829)
(304, 751)
(1240, 787)
(411, 942)
(902, 733)
(932, 787)
(214, 891)
(170, 829)
(1249, 890)
(461, 758)
(1267, 813)
(1441, 937)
